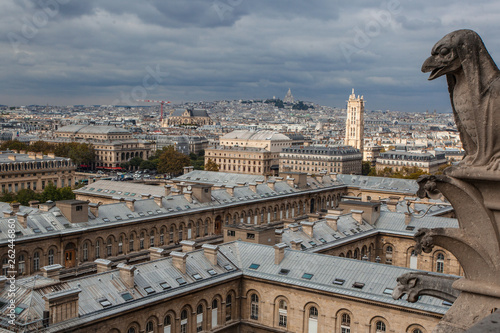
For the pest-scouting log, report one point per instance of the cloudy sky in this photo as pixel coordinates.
(64, 52)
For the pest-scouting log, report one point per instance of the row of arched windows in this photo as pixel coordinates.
(19, 166)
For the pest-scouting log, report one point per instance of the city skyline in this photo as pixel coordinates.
(61, 52)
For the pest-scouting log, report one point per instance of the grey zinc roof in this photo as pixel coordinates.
(254, 135)
(325, 269)
(345, 226)
(121, 189)
(92, 129)
(379, 183)
(212, 177)
(396, 222)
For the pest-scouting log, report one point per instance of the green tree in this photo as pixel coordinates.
(50, 192)
(7, 197)
(366, 168)
(125, 165)
(24, 196)
(65, 193)
(211, 165)
(147, 164)
(13, 145)
(171, 161)
(135, 161)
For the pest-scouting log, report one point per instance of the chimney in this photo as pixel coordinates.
(188, 246)
(179, 260)
(157, 253)
(259, 181)
(188, 169)
(22, 219)
(210, 252)
(39, 155)
(15, 206)
(279, 235)
(158, 200)
(34, 203)
(271, 184)
(407, 218)
(308, 227)
(331, 220)
(319, 178)
(189, 196)
(230, 190)
(145, 196)
(130, 204)
(357, 215)
(293, 227)
(253, 187)
(94, 209)
(290, 182)
(392, 203)
(333, 176)
(127, 275)
(62, 305)
(336, 211)
(8, 213)
(12, 157)
(51, 155)
(279, 252)
(32, 155)
(52, 271)
(103, 265)
(296, 244)
(312, 217)
(168, 190)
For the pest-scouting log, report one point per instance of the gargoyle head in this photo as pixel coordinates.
(406, 285)
(445, 56)
(424, 241)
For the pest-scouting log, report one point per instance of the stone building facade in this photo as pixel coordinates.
(397, 160)
(198, 117)
(34, 171)
(315, 159)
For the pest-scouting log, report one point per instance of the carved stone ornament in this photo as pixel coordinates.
(472, 187)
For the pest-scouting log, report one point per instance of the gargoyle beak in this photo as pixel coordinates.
(433, 66)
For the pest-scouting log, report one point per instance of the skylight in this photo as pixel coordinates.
(313, 243)
(105, 303)
(150, 212)
(358, 285)
(141, 214)
(180, 281)
(307, 276)
(105, 219)
(447, 303)
(130, 216)
(212, 272)
(197, 276)
(165, 285)
(127, 296)
(149, 290)
(228, 267)
(388, 291)
(254, 266)
(410, 228)
(118, 218)
(322, 240)
(284, 271)
(19, 309)
(338, 282)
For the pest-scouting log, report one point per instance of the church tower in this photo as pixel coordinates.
(355, 125)
(289, 97)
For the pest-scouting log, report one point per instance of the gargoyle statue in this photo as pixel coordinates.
(474, 92)
(416, 284)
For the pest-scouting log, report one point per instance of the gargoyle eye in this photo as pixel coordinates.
(444, 51)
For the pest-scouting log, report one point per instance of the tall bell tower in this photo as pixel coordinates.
(355, 125)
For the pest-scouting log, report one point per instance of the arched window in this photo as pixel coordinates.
(355, 255)
(282, 313)
(440, 263)
(313, 320)
(417, 330)
(388, 255)
(171, 235)
(131, 330)
(152, 239)
(36, 261)
(345, 323)
(141, 241)
(206, 228)
(254, 307)
(388, 250)
(162, 236)
(97, 249)
(215, 313)
(380, 327)
(150, 327)
(20, 264)
(184, 321)
(199, 318)
(167, 324)
(198, 229)
(181, 229)
(189, 231)
(109, 247)
(51, 257)
(131, 243)
(228, 307)
(120, 245)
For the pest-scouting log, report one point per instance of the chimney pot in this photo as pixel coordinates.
(279, 252)
(331, 220)
(308, 227)
(127, 275)
(296, 244)
(103, 265)
(130, 204)
(357, 215)
(179, 260)
(188, 246)
(210, 252)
